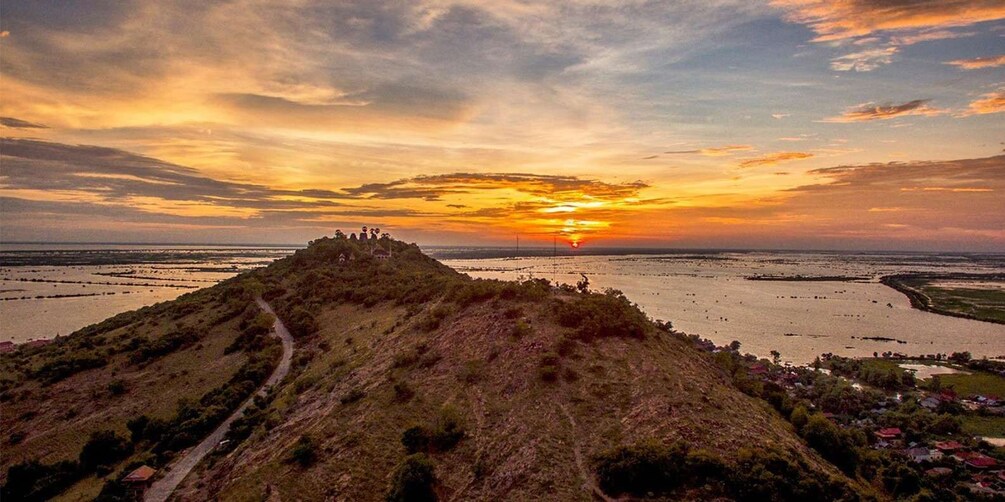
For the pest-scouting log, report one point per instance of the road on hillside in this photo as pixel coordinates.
(165, 486)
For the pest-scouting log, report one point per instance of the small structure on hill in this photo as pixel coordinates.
(381, 254)
(140, 479)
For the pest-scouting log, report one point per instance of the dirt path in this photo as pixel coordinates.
(165, 486)
(588, 483)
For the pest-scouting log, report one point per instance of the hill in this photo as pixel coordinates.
(409, 380)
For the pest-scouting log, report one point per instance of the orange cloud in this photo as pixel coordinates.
(834, 20)
(872, 111)
(715, 151)
(992, 102)
(775, 158)
(977, 63)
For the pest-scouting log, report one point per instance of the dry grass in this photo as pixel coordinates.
(520, 444)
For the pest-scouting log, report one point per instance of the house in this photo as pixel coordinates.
(920, 454)
(980, 461)
(938, 472)
(948, 446)
(37, 343)
(6, 347)
(140, 479)
(341, 258)
(930, 402)
(975, 460)
(758, 369)
(888, 433)
(381, 254)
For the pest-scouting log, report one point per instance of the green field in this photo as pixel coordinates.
(975, 383)
(983, 426)
(974, 296)
(984, 304)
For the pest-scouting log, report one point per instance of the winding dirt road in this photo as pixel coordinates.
(165, 486)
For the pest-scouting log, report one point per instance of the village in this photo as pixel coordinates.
(920, 433)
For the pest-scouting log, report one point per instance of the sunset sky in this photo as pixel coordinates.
(845, 124)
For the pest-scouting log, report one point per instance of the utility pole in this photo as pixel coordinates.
(554, 261)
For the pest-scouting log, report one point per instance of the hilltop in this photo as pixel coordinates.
(409, 380)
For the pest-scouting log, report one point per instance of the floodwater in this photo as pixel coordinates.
(709, 295)
(926, 371)
(704, 293)
(85, 285)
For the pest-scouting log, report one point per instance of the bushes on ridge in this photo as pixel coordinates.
(607, 315)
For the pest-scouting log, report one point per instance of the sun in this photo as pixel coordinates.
(574, 244)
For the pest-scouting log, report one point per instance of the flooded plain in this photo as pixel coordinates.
(710, 295)
(44, 293)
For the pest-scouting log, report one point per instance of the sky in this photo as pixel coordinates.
(778, 124)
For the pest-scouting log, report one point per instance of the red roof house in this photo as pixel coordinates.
(888, 433)
(948, 446)
(980, 461)
(141, 477)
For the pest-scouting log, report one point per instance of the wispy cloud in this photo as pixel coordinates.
(867, 60)
(775, 158)
(714, 151)
(929, 36)
(872, 111)
(20, 124)
(978, 63)
(834, 20)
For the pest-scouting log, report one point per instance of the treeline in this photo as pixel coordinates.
(650, 469)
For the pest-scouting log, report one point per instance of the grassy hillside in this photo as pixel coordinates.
(178, 365)
(414, 379)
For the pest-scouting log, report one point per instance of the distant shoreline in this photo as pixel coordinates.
(921, 301)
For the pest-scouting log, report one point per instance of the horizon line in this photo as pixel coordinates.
(582, 250)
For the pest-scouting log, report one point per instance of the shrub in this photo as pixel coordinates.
(303, 452)
(175, 340)
(300, 322)
(403, 392)
(521, 329)
(405, 359)
(352, 396)
(834, 444)
(471, 372)
(117, 387)
(33, 481)
(413, 481)
(566, 346)
(103, 448)
(67, 365)
(443, 436)
(548, 373)
(641, 468)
